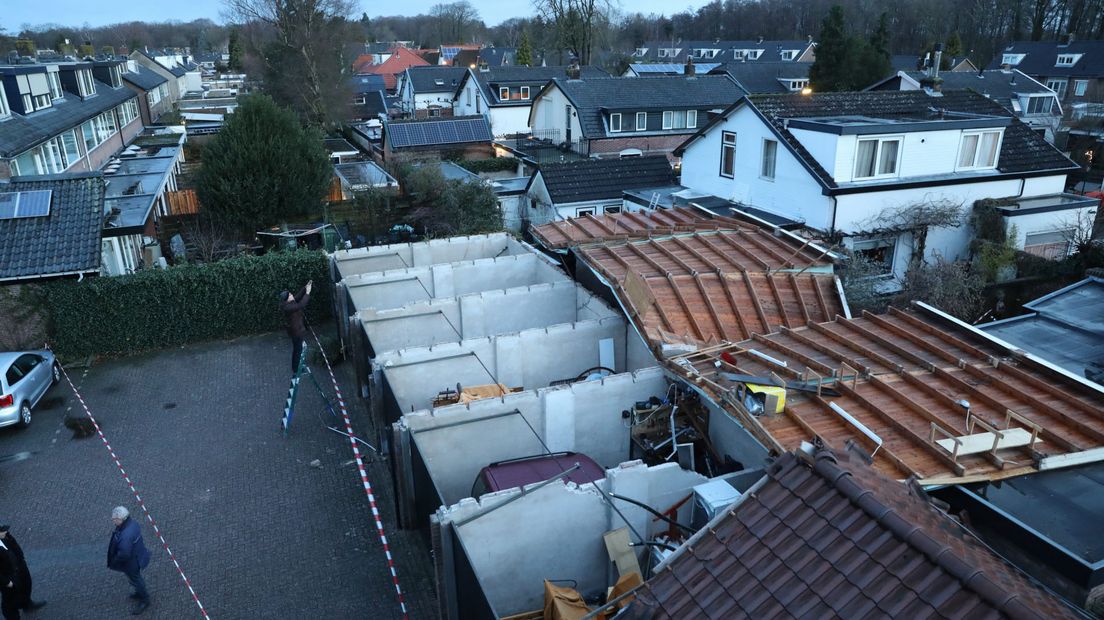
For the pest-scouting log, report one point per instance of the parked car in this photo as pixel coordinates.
(527, 470)
(25, 377)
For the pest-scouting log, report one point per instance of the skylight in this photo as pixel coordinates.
(14, 205)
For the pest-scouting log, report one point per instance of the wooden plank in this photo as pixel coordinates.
(739, 249)
(799, 335)
(792, 353)
(934, 331)
(620, 551)
(911, 337)
(752, 237)
(1049, 388)
(796, 286)
(979, 443)
(685, 307)
(820, 298)
(777, 299)
(709, 264)
(730, 264)
(647, 259)
(822, 328)
(897, 460)
(755, 301)
(887, 343)
(726, 284)
(661, 246)
(722, 333)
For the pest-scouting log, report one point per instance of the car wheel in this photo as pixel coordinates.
(24, 415)
(57, 372)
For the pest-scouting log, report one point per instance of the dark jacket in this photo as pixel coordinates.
(296, 328)
(13, 566)
(127, 551)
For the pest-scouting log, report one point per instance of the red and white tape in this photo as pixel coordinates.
(363, 476)
(137, 497)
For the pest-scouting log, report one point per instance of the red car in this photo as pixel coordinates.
(527, 470)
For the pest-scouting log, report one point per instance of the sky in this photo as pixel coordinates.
(100, 12)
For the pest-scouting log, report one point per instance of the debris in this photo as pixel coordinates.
(316, 463)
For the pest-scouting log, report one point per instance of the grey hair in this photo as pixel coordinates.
(120, 512)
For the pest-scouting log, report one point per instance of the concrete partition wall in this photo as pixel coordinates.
(396, 288)
(425, 253)
(529, 359)
(555, 532)
(480, 315)
(581, 417)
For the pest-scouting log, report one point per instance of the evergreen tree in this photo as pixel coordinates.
(875, 58)
(263, 167)
(952, 49)
(235, 49)
(830, 71)
(524, 55)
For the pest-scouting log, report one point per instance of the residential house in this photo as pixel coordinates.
(438, 138)
(62, 117)
(854, 164)
(590, 186)
(399, 60)
(176, 79)
(497, 56)
(152, 89)
(911, 62)
(1073, 69)
(450, 51)
(653, 69)
(726, 51)
(509, 192)
(372, 106)
(50, 226)
(506, 94)
(468, 58)
(766, 77)
(428, 92)
(1031, 101)
(604, 116)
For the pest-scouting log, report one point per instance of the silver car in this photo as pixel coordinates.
(25, 377)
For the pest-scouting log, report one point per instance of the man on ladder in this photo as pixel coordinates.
(293, 306)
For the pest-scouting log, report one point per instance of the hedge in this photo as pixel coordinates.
(160, 308)
(497, 164)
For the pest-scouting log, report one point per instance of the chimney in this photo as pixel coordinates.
(483, 66)
(809, 38)
(689, 70)
(573, 70)
(1006, 67)
(932, 84)
(938, 59)
(760, 40)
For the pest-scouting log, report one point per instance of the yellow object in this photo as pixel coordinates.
(774, 397)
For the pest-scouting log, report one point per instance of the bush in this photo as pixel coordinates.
(160, 308)
(498, 164)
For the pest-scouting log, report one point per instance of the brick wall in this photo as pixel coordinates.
(648, 145)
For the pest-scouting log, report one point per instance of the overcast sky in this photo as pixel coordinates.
(16, 13)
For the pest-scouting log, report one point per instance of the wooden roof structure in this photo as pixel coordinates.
(930, 397)
(629, 225)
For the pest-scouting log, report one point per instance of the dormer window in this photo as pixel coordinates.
(1012, 59)
(4, 110)
(788, 55)
(525, 93)
(55, 84)
(796, 85)
(1040, 105)
(615, 122)
(680, 119)
(116, 76)
(503, 93)
(641, 51)
(42, 101)
(85, 84)
(641, 121)
(979, 150)
(1067, 60)
(877, 158)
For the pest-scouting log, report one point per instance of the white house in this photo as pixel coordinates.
(428, 92)
(591, 186)
(845, 163)
(506, 93)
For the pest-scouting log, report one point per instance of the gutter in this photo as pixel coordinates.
(61, 274)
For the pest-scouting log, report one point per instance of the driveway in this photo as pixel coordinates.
(260, 531)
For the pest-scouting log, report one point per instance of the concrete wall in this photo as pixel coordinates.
(393, 289)
(480, 315)
(436, 251)
(530, 359)
(555, 532)
(581, 417)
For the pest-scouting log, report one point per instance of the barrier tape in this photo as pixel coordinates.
(363, 475)
(126, 478)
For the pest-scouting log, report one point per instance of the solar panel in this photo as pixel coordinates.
(8, 201)
(25, 204)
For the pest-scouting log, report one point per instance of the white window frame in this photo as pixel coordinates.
(875, 243)
(641, 121)
(763, 172)
(85, 83)
(609, 209)
(42, 102)
(1080, 87)
(977, 150)
(4, 109)
(501, 91)
(788, 54)
(1065, 60)
(1049, 106)
(1059, 86)
(615, 127)
(728, 144)
(581, 211)
(28, 104)
(1012, 59)
(525, 92)
(469, 91)
(54, 79)
(687, 115)
(1057, 253)
(880, 140)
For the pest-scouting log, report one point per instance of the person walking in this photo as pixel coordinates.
(293, 306)
(15, 577)
(127, 554)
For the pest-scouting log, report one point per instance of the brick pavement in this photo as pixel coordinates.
(259, 531)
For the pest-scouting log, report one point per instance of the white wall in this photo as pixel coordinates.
(556, 532)
(548, 114)
(509, 120)
(580, 417)
(793, 193)
(1052, 221)
(433, 252)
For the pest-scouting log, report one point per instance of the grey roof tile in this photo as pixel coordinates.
(764, 77)
(145, 79)
(1041, 57)
(533, 77)
(67, 240)
(435, 79)
(597, 179)
(21, 132)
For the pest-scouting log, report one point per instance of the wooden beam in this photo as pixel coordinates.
(822, 328)
(752, 237)
(820, 297)
(662, 247)
(799, 335)
(755, 301)
(685, 307)
(926, 327)
(887, 343)
(726, 285)
(647, 259)
(777, 298)
(722, 333)
(793, 353)
(739, 249)
(796, 286)
(1049, 388)
(911, 337)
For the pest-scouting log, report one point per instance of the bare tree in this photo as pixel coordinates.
(456, 21)
(1078, 231)
(576, 22)
(917, 218)
(207, 236)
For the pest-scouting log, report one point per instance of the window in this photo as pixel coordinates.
(640, 51)
(128, 111)
(1066, 60)
(641, 121)
(680, 119)
(789, 54)
(1079, 87)
(1058, 86)
(878, 252)
(796, 85)
(979, 150)
(1012, 59)
(55, 85)
(662, 52)
(69, 144)
(28, 104)
(770, 155)
(503, 94)
(4, 111)
(42, 101)
(877, 157)
(615, 122)
(98, 130)
(1053, 245)
(116, 76)
(525, 93)
(1040, 105)
(436, 112)
(85, 84)
(611, 209)
(728, 154)
(581, 211)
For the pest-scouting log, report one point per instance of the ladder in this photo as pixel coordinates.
(293, 391)
(654, 202)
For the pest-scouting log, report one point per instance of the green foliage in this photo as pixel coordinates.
(236, 51)
(846, 62)
(952, 48)
(987, 222)
(524, 57)
(497, 164)
(263, 167)
(444, 207)
(159, 308)
(995, 259)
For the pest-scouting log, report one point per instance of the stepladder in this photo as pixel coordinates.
(302, 370)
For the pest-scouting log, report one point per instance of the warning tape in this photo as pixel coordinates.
(363, 476)
(126, 478)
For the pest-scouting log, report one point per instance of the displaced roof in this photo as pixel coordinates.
(1065, 327)
(1041, 58)
(1023, 150)
(764, 77)
(826, 536)
(465, 58)
(592, 96)
(903, 378)
(490, 80)
(435, 79)
(628, 225)
(437, 131)
(144, 78)
(66, 240)
(362, 175)
(597, 179)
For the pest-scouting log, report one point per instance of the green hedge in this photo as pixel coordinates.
(498, 164)
(161, 308)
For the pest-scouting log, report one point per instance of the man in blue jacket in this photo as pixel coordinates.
(127, 554)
